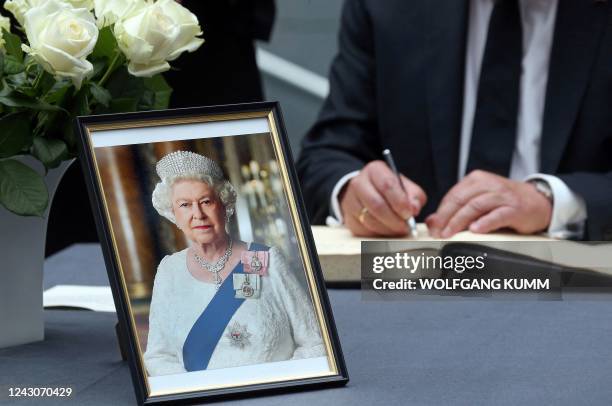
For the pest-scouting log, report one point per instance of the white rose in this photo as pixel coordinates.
(110, 11)
(5, 23)
(18, 8)
(88, 4)
(61, 37)
(156, 34)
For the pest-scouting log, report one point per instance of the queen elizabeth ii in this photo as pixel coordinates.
(220, 302)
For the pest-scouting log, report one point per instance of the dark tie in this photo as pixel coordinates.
(494, 131)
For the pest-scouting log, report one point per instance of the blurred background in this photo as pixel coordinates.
(255, 50)
(294, 65)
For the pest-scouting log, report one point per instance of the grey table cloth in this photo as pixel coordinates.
(455, 352)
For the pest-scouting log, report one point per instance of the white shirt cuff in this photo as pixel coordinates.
(335, 217)
(569, 209)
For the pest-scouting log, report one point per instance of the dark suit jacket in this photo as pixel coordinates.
(223, 70)
(397, 82)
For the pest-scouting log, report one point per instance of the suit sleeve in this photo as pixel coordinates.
(596, 190)
(344, 138)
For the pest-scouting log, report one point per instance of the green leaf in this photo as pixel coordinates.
(50, 151)
(12, 45)
(147, 100)
(68, 135)
(22, 190)
(157, 83)
(81, 103)
(123, 105)
(1, 64)
(16, 99)
(15, 134)
(17, 80)
(147, 93)
(12, 66)
(123, 85)
(99, 67)
(57, 94)
(161, 91)
(106, 47)
(47, 82)
(100, 94)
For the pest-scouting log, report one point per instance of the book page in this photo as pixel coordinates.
(340, 241)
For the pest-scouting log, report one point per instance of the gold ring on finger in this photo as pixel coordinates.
(362, 214)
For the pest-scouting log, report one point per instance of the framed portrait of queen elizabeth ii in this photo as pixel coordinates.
(211, 260)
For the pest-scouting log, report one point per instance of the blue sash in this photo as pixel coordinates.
(209, 327)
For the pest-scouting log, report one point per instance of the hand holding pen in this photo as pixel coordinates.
(410, 220)
(376, 203)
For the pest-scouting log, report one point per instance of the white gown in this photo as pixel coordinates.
(281, 324)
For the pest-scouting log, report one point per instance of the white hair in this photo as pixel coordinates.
(206, 171)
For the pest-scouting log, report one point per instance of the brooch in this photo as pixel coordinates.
(247, 286)
(255, 262)
(238, 335)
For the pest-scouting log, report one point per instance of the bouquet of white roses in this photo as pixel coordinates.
(66, 58)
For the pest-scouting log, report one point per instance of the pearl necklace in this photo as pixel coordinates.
(215, 267)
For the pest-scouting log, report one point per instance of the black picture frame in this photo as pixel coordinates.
(88, 127)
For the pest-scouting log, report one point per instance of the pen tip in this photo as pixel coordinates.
(386, 151)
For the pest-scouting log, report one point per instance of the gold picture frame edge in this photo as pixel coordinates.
(315, 293)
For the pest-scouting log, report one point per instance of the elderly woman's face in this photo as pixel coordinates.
(199, 212)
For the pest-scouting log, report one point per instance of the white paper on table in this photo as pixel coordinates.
(96, 298)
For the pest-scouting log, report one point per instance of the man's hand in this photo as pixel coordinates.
(374, 204)
(483, 202)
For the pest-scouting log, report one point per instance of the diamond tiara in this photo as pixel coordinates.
(185, 163)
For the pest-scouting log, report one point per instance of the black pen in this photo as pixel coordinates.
(409, 221)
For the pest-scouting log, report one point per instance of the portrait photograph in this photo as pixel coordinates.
(214, 273)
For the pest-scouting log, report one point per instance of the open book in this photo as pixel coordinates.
(340, 252)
